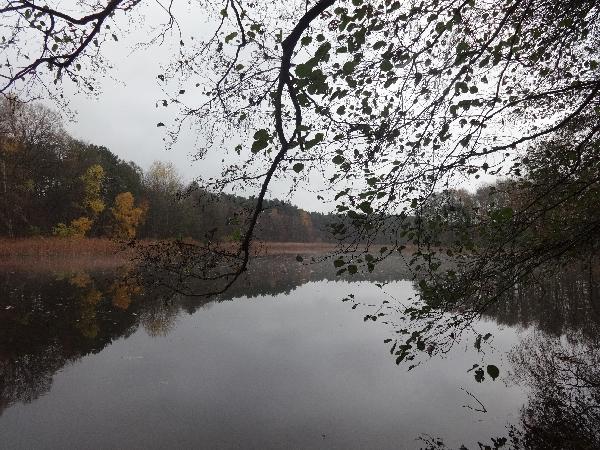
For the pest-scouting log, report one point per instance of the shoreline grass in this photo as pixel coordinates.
(49, 252)
(55, 247)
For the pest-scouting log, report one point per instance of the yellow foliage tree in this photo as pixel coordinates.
(81, 226)
(126, 215)
(92, 204)
(78, 228)
(93, 179)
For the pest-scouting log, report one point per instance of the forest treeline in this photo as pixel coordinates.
(53, 184)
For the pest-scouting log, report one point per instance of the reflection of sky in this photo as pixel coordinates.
(266, 372)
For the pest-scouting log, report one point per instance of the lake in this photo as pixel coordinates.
(92, 359)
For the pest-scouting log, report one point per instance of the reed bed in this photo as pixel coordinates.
(285, 248)
(54, 247)
(43, 253)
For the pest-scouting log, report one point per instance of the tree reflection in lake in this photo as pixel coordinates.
(563, 408)
(49, 321)
(558, 360)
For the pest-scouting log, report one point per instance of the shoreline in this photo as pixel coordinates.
(46, 252)
(43, 253)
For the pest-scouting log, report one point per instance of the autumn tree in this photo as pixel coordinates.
(92, 204)
(127, 216)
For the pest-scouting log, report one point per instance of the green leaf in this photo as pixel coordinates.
(479, 375)
(348, 67)
(502, 214)
(298, 167)
(352, 269)
(230, 36)
(261, 135)
(493, 371)
(338, 159)
(386, 65)
(462, 47)
(306, 40)
(303, 70)
(365, 207)
(299, 258)
(478, 342)
(258, 146)
(261, 140)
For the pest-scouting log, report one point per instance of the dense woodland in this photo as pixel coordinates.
(53, 184)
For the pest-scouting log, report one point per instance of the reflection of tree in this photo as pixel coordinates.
(124, 288)
(50, 322)
(563, 405)
(158, 316)
(26, 378)
(559, 362)
(46, 321)
(557, 301)
(563, 409)
(271, 275)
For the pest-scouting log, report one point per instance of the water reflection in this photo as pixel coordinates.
(563, 408)
(559, 301)
(557, 359)
(50, 321)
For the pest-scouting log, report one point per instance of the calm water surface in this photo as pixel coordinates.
(88, 360)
